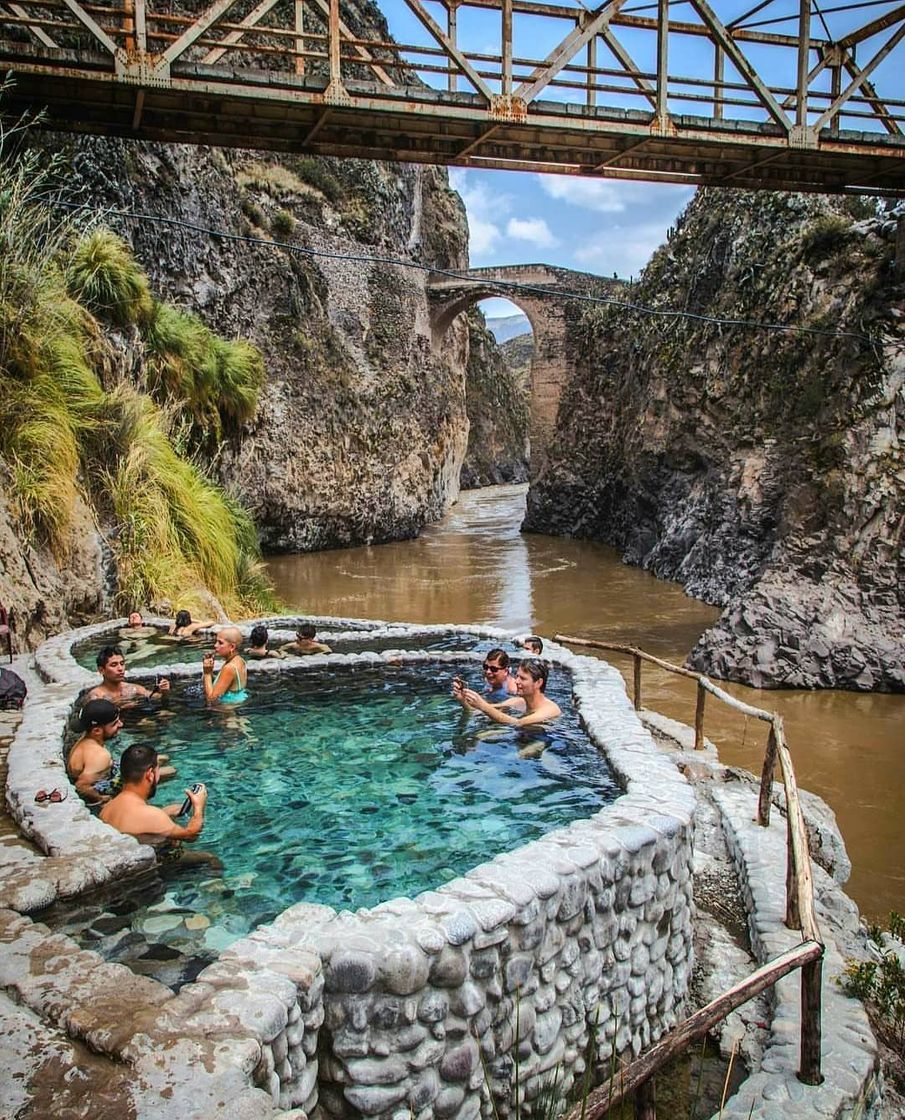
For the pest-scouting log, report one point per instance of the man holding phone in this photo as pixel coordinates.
(499, 686)
(129, 811)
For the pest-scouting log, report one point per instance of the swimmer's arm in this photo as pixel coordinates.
(194, 627)
(473, 700)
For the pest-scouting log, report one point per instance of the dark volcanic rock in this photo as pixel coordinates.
(763, 469)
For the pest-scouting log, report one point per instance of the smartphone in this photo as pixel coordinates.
(186, 805)
(460, 682)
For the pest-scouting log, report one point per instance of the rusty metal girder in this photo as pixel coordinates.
(289, 75)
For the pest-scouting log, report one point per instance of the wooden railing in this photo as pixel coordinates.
(637, 1078)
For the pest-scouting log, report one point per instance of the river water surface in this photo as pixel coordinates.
(476, 567)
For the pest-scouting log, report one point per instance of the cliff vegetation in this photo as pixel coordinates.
(111, 400)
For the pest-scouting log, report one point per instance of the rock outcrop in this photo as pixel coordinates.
(497, 403)
(763, 468)
(361, 430)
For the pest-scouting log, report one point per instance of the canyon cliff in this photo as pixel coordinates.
(361, 429)
(762, 468)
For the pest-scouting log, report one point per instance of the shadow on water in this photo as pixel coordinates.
(476, 567)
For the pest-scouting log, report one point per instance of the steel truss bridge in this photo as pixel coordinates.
(767, 98)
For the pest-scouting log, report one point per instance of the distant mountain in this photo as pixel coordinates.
(505, 327)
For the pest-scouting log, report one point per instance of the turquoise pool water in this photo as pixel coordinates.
(147, 653)
(346, 788)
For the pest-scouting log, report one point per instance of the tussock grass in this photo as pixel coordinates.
(175, 534)
(104, 277)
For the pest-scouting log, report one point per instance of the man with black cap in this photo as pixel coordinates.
(90, 765)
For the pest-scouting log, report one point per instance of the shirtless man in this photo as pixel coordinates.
(111, 664)
(530, 680)
(136, 627)
(129, 811)
(534, 645)
(305, 642)
(90, 765)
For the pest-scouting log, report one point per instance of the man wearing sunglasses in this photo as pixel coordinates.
(531, 706)
(499, 686)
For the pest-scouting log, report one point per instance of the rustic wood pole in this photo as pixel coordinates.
(811, 980)
(766, 780)
(699, 718)
(646, 1101)
(637, 678)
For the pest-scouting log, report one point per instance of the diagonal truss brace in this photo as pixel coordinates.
(85, 19)
(38, 32)
(257, 14)
(744, 67)
(561, 55)
(626, 61)
(206, 20)
(857, 82)
(878, 106)
(451, 49)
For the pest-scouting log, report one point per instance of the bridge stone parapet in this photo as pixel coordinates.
(546, 295)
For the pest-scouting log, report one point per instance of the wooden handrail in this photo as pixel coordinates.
(800, 912)
(694, 1027)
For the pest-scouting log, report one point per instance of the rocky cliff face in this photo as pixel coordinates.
(764, 469)
(361, 430)
(497, 404)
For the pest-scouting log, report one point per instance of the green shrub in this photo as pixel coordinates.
(282, 223)
(103, 275)
(828, 235)
(313, 172)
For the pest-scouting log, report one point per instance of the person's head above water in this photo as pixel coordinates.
(135, 618)
(137, 763)
(183, 618)
(306, 631)
(258, 637)
(536, 669)
(534, 644)
(100, 714)
(110, 653)
(227, 641)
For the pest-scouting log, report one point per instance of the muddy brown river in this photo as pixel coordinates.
(476, 567)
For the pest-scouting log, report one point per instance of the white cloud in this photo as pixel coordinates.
(533, 230)
(624, 250)
(590, 194)
(614, 196)
(485, 210)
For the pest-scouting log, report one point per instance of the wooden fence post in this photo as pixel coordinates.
(766, 780)
(811, 979)
(637, 680)
(645, 1101)
(699, 718)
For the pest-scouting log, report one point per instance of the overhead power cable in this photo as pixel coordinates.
(464, 277)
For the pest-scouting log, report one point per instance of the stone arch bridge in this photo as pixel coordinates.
(542, 292)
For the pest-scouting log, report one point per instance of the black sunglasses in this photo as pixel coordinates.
(488, 668)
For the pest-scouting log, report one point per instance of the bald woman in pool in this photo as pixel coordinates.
(229, 687)
(530, 682)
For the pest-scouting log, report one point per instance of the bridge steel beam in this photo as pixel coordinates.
(291, 76)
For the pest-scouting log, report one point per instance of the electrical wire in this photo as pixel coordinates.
(509, 285)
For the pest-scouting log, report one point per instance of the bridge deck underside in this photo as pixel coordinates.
(273, 111)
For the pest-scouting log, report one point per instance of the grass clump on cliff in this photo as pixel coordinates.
(67, 440)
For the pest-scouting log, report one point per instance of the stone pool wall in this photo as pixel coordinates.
(429, 1005)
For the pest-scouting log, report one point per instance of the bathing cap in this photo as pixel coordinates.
(98, 713)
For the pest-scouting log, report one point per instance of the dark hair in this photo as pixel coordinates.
(535, 643)
(536, 669)
(183, 618)
(136, 760)
(498, 655)
(106, 653)
(306, 630)
(258, 636)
